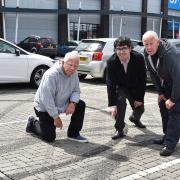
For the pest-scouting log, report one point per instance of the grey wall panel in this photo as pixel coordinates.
(10, 26)
(131, 27)
(156, 24)
(154, 6)
(40, 4)
(85, 4)
(126, 5)
(31, 24)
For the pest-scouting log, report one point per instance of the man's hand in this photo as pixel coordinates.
(137, 104)
(169, 104)
(70, 108)
(161, 97)
(113, 110)
(58, 123)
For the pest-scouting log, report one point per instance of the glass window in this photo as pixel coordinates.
(89, 45)
(32, 40)
(6, 48)
(87, 31)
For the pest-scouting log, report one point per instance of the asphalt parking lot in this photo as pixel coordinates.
(23, 156)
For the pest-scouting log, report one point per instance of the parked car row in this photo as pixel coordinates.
(40, 45)
(20, 66)
(47, 46)
(66, 47)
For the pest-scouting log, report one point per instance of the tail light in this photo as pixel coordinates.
(39, 45)
(97, 56)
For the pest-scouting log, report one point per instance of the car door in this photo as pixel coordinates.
(13, 68)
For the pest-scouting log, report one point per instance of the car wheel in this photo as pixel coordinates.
(82, 76)
(37, 75)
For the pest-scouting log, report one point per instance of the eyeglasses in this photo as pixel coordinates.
(123, 49)
(71, 66)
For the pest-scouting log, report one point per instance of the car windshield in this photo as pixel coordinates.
(90, 46)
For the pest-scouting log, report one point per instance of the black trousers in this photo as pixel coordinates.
(124, 94)
(170, 120)
(45, 129)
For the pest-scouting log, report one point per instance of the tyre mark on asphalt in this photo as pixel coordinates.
(13, 106)
(94, 151)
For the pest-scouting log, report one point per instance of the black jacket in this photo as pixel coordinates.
(167, 72)
(134, 80)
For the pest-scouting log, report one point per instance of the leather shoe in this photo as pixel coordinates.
(137, 123)
(166, 151)
(159, 141)
(117, 135)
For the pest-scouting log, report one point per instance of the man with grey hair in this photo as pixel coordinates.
(163, 63)
(58, 93)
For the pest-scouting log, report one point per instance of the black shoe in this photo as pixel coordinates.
(165, 151)
(159, 141)
(137, 123)
(118, 135)
(29, 124)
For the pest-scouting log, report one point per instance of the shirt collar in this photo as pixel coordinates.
(125, 62)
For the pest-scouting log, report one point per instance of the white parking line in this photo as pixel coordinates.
(141, 174)
(2, 176)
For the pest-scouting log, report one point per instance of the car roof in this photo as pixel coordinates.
(100, 39)
(106, 39)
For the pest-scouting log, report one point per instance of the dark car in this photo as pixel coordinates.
(66, 47)
(40, 45)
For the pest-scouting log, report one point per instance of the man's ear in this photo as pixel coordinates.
(130, 49)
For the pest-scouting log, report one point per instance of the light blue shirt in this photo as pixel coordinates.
(56, 90)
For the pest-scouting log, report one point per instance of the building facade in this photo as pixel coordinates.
(76, 19)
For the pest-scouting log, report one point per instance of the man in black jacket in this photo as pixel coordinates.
(126, 79)
(163, 63)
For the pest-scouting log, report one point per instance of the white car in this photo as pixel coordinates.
(94, 54)
(20, 66)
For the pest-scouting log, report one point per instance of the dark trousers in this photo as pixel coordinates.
(171, 123)
(45, 129)
(124, 94)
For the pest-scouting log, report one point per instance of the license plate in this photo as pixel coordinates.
(50, 46)
(83, 59)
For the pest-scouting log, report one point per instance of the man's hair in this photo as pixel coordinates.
(73, 55)
(148, 34)
(122, 41)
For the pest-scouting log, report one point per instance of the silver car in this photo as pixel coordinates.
(94, 54)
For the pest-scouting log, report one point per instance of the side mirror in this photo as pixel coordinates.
(17, 52)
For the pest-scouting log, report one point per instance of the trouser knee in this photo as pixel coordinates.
(81, 104)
